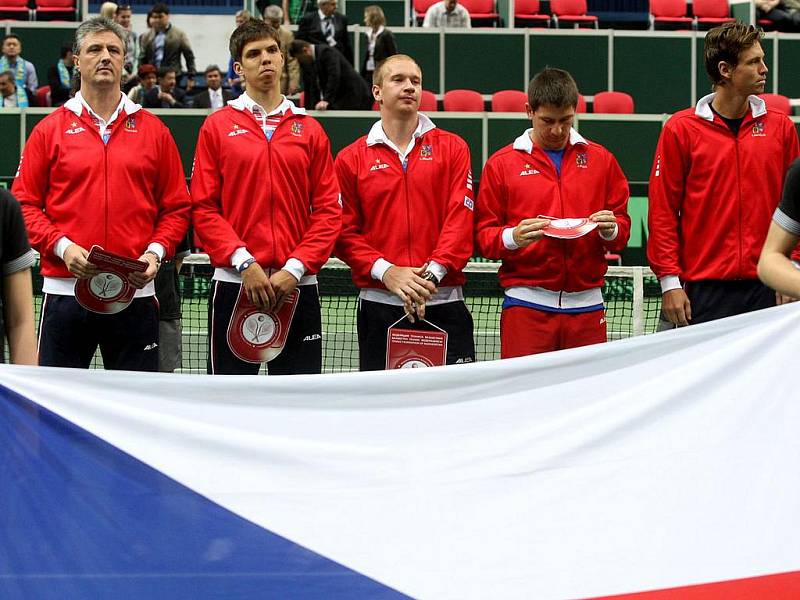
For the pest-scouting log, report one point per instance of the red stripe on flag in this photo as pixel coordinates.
(783, 586)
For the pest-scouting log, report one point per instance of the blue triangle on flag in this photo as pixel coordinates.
(79, 518)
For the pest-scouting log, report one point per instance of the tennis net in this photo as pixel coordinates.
(632, 296)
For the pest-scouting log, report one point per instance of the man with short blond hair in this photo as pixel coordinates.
(408, 216)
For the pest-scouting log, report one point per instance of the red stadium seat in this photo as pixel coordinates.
(463, 101)
(56, 7)
(778, 103)
(571, 11)
(526, 12)
(509, 101)
(43, 96)
(15, 7)
(613, 103)
(669, 12)
(421, 7)
(427, 103)
(482, 10)
(711, 13)
(581, 108)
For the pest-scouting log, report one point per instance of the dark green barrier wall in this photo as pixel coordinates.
(392, 9)
(424, 48)
(488, 62)
(9, 133)
(585, 56)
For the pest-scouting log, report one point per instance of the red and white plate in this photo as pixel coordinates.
(569, 229)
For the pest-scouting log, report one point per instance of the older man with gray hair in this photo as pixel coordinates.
(290, 78)
(100, 171)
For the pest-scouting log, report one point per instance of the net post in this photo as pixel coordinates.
(638, 301)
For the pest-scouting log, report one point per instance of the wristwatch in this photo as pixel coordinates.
(429, 276)
(158, 258)
(243, 267)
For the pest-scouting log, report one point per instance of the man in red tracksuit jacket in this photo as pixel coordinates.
(553, 297)
(408, 219)
(265, 206)
(100, 171)
(716, 180)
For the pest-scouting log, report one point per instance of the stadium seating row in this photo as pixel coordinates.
(38, 8)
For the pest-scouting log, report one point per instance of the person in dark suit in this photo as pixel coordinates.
(326, 26)
(213, 96)
(329, 81)
(380, 41)
(165, 94)
(59, 77)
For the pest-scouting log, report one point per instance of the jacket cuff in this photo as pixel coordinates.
(61, 246)
(437, 269)
(508, 239)
(379, 268)
(239, 256)
(295, 267)
(669, 282)
(158, 249)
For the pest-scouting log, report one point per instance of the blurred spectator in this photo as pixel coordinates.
(329, 81)
(17, 324)
(380, 41)
(59, 77)
(234, 81)
(147, 81)
(290, 77)
(24, 71)
(14, 96)
(165, 94)
(214, 97)
(447, 13)
(168, 293)
(785, 14)
(108, 10)
(326, 26)
(123, 18)
(164, 44)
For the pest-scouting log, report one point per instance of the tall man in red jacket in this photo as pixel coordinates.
(100, 171)
(716, 180)
(553, 297)
(265, 206)
(408, 219)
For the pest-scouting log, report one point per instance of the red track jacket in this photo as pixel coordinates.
(407, 218)
(712, 195)
(122, 195)
(278, 199)
(521, 182)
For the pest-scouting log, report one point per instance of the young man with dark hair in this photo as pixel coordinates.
(100, 171)
(266, 206)
(408, 219)
(716, 180)
(553, 285)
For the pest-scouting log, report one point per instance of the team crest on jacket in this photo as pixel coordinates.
(236, 130)
(582, 160)
(426, 152)
(528, 170)
(297, 129)
(758, 129)
(130, 125)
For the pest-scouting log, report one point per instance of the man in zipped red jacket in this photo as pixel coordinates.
(408, 219)
(716, 180)
(265, 206)
(553, 287)
(100, 171)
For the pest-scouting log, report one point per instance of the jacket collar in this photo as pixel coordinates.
(76, 104)
(245, 102)
(525, 143)
(377, 135)
(758, 108)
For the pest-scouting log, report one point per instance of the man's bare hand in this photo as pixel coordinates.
(139, 280)
(407, 283)
(676, 307)
(76, 259)
(321, 105)
(258, 287)
(783, 299)
(283, 283)
(528, 231)
(606, 221)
